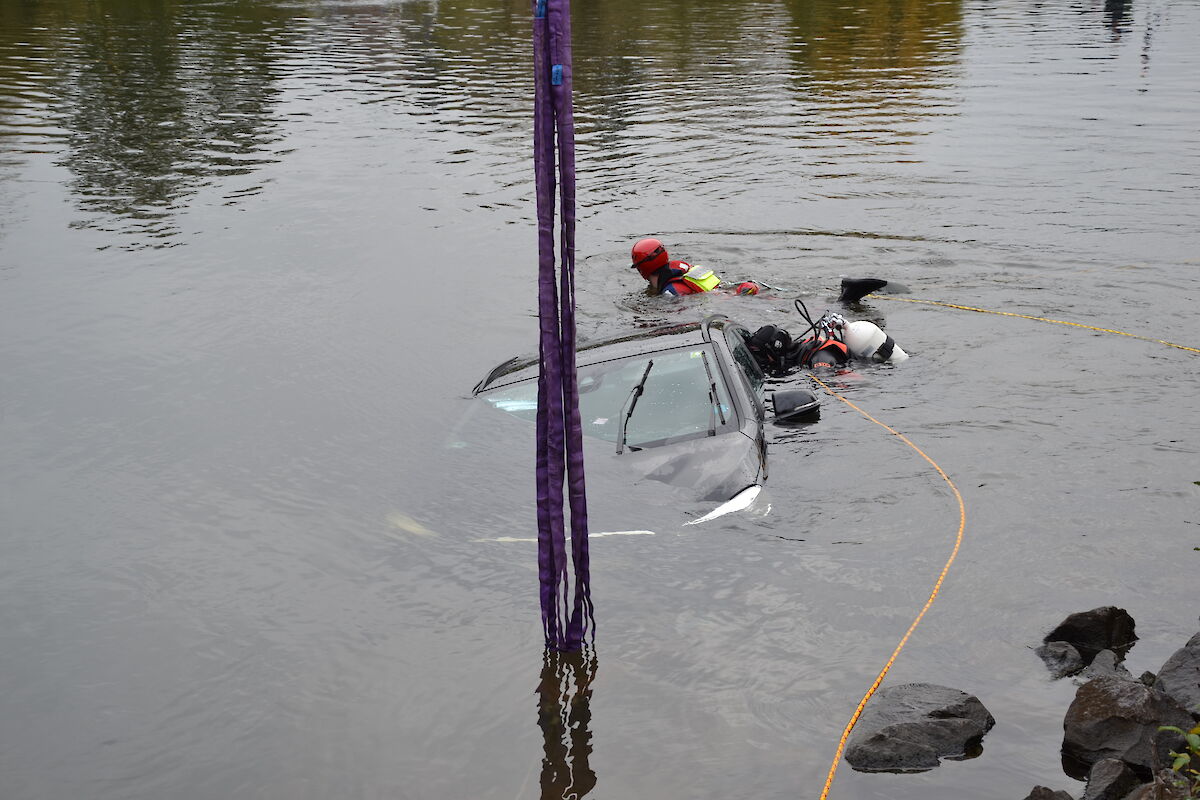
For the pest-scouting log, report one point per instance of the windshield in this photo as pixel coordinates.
(675, 402)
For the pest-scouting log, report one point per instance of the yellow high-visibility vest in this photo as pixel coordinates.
(701, 279)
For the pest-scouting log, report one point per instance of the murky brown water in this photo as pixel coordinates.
(254, 255)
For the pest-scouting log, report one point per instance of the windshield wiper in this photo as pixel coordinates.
(714, 407)
(631, 402)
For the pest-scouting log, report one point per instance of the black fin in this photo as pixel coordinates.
(855, 289)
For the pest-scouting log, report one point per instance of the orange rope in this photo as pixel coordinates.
(1040, 319)
(962, 514)
(937, 586)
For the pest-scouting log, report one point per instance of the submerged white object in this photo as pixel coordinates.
(867, 340)
(739, 501)
(406, 523)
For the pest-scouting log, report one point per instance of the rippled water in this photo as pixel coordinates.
(253, 255)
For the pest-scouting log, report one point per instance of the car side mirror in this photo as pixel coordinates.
(796, 405)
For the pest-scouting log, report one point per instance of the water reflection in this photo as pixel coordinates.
(1118, 15)
(154, 99)
(150, 102)
(201, 448)
(565, 716)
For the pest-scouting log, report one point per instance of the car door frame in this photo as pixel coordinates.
(751, 403)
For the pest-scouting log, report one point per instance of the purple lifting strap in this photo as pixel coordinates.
(566, 616)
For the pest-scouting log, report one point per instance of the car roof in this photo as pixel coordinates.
(628, 343)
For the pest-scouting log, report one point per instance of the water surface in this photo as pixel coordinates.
(253, 255)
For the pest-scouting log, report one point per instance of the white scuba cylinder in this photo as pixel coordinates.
(867, 340)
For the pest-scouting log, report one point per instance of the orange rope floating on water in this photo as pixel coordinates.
(1039, 319)
(937, 586)
(962, 514)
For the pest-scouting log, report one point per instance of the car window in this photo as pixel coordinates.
(745, 359)
(675, 402)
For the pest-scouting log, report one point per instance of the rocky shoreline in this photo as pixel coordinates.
(1112, 736)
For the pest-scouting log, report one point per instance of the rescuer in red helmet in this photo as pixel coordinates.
(676, 277)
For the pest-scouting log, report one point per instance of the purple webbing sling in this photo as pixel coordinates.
(566, 616)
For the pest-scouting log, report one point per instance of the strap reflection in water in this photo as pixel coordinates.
(565, 716)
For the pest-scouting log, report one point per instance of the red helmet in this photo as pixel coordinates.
(649, 255)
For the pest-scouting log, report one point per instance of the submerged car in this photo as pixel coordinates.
(683, 405)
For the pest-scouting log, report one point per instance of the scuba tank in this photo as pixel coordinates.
(867, 340)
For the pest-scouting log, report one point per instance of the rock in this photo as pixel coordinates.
(1105, 663)
(1180, 677)
(1147, 678)
(1061, 658)
(1043, 793)
(1105, 628)
(908, 728)
(1166, 786)
(1115, 718)
(1110, 779)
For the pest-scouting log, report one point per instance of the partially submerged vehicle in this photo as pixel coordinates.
(684, 405)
